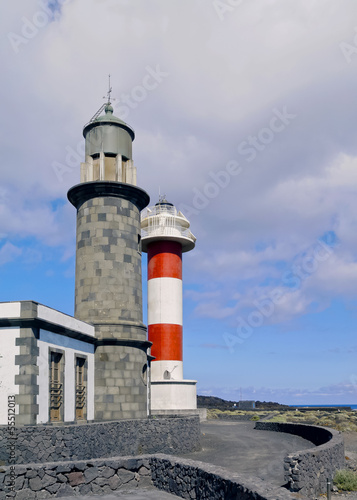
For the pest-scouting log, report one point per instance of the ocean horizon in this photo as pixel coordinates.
(354, 407)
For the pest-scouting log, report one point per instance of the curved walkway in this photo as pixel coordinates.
(237, 446)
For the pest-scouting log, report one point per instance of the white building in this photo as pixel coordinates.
(47, 363)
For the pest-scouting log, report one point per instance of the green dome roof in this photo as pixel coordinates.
(109, 119)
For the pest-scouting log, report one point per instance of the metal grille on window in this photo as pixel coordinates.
(56, 387)
(80, 389)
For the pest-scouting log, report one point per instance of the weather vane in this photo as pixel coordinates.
(109, 92)
(109, 100)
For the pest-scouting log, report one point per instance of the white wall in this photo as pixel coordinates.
(10, 309)
(8, 369)
(71, 347)
(59, 318)
(158, 368)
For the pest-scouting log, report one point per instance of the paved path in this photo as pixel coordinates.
(342, 496)
(137, 494)
(237, 446)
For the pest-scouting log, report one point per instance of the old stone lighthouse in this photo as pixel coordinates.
(108, 290)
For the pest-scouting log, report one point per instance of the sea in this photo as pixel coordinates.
(353, 407)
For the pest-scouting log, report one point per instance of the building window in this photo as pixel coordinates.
(144, 374)
(56, 386)
(81, 388)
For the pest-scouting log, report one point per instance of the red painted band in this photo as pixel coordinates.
(164, 260)
(167, 341)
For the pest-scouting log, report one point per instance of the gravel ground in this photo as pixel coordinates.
(137, 494)
(237, 446)
(350, 496)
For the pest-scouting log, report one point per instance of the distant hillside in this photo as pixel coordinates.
(222, 404)
(270, 405)
(213, 402)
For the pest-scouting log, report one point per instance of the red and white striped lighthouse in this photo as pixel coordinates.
(165, 236)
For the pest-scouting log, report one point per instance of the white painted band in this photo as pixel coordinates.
(165, 301)
(174, 395)
(166, 370)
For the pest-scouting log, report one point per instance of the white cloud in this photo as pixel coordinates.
(9, 253)
(286, 222)
(225, 79)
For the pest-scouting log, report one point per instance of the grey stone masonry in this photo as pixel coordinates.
(108, 293)
(108, 265)
(28, 369)
(196, 480)
(53, 443)
(120, 382)
(184, 478)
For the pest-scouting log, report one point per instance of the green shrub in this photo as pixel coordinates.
(212, 414)
(346, 480)
(345, 421)
(255, 417)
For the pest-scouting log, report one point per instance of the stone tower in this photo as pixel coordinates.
(108, 290)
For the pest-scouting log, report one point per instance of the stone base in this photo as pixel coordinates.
(201, 412)
(173, 395)
(120, 385)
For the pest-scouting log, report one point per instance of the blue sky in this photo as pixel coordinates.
(245, 116)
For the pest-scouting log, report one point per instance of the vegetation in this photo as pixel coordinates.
(256, 415)
(212, 402)
(345, 421)
(346, 480)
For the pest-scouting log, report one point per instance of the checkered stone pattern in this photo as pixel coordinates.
(120, 384)
(108, 266)
(109, 295)
(28, 369)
